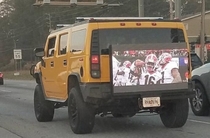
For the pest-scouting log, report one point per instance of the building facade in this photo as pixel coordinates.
(193, 27)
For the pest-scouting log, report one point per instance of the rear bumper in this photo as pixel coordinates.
(102, 93)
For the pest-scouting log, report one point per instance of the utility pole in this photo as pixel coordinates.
(171, 10)
(202, 31)
(178, 9)
(15, 46)
(49, 21)
(141, 8)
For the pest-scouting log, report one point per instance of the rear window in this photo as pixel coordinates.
(139, 36)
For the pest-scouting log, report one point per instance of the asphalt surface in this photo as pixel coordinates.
(17, 120)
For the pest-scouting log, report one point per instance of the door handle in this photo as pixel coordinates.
(52, 64)
(64, 62)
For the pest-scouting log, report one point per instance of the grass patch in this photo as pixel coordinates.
(23, 75)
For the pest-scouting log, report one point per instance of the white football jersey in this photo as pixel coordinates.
(148, 79)
(135, 79)
(123, 79)
(166, 72)
(115, 66)
(132, 66)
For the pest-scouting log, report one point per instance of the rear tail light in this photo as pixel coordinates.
(95, 66)
(95, 74)
(95, 59)
(95, 56)
(187, 75)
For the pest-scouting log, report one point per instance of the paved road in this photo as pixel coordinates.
(17, 120)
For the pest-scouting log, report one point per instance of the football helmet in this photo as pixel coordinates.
(127, 64)
(165, 58)
(150, 62)
(139, 63)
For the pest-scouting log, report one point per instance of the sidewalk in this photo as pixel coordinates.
(7, 134)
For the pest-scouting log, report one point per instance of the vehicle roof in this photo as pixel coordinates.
(84, 20)
(124, 19)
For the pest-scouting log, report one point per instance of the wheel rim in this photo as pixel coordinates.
(37, 104)
(73, 111)
(197, 101)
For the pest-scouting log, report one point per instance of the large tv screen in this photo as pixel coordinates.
(149, 67)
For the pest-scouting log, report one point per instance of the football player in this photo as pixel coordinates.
(136, 70)
(169, 69)
(115, 67)
(122, 78)
(150, 76)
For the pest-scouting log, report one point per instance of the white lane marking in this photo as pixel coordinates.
(6, 91)
(202, 122)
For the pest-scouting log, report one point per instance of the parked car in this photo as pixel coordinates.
(195, 61)
(200, 102)
(1, 78)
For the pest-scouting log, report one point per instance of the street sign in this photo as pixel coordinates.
(17, 54)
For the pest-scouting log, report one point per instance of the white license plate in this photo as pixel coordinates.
(151, 102)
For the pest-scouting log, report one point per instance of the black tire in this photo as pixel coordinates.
(81, 115)
(175, 114)
(44, 110)
(1, 81)
(199, 104)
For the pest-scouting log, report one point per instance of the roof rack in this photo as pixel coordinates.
(79, 19)
(62, 25)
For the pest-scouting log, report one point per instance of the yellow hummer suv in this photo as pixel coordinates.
(114, 65)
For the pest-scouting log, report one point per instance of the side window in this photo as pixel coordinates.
(78, 40)
(51, 46)
(63, 44)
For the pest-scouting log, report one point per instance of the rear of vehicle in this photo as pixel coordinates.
(132, 65)
(121, 66)
(114, 42)
(1, 78)
(138, 65)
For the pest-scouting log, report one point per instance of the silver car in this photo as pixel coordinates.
(200, 103)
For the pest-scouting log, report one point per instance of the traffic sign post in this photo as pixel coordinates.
(17, 56)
